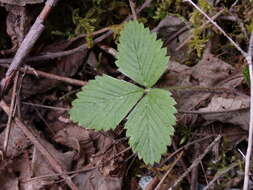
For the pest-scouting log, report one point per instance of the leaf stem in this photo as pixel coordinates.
(202, 89)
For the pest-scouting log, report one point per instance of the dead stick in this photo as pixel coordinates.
(200, 28)
(52, 161)
(132, 6)
(195, 170)
(27, 44)
(220, 174)
(196, 162)
(86, 169)
(45, 106)
(11, 115)
(250, 138)
(7, 80)
(168, 171)
(147, 3)
(49, 56)
(219, 28)
(55, 77)
(183, 148)
(68, 52)
(37, 73)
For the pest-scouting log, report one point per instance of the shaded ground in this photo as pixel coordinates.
(206, 74)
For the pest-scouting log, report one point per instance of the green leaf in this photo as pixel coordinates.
(104, 102)
(140, 55)
(149, 125)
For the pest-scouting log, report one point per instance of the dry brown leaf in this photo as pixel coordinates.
(169, 26)
(95, 150)
(210, 72)
(240, 118)
(66, 66)
(95, 180)
(17, 142)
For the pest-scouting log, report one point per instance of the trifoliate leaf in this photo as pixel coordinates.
(140, 55)
(104, 102)
(149, 125)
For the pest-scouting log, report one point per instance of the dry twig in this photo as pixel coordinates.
(11, 115)
(132, 6)
(220, 174)
(248, 57)
(38, 73)
(249, 149)
(45, 106)
(218, 27)
(169, 170)
(196, 162)
(27, 44)
(50, 56)
(195, 170)
(183, 148)
(203, 26)
(51, 159)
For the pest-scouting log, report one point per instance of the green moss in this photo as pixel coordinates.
(162, 8)
(200, 37)
(84, 25)
(246, 77)
(85, 17)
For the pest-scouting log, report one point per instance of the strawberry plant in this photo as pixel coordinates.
(150, 113)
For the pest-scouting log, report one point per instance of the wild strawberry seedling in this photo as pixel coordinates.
(104, 102)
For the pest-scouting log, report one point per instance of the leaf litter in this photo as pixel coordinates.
(101, 155)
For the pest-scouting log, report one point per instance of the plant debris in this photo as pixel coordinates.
(206, 75)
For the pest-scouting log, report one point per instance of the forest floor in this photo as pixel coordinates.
(42, 149)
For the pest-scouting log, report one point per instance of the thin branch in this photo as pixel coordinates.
(196, 162)
(86, 169)
(132, 6)
(45, 106)
(27, 44)
(195, 170)
(55, 164)
(168, 171)
(5, 81)
(220, 174)
(204, 172)
(12, 113)
(109, 50)
(249, 149)
(38, 73)
(183, 148)
(50, 56)
(219, 28)
(200, 28)
(146, 4)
